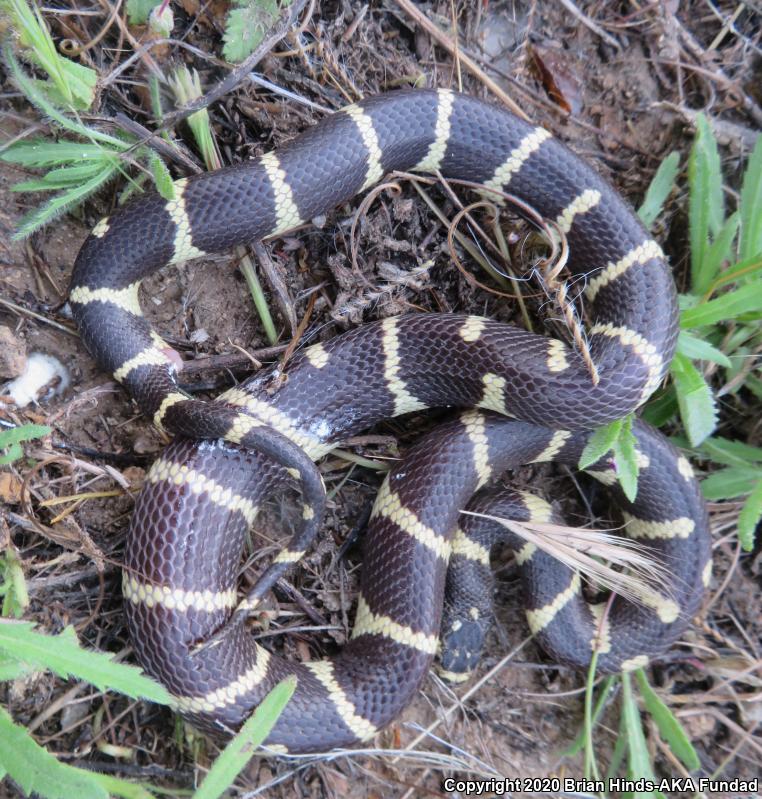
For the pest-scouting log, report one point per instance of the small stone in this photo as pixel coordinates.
(12, 354)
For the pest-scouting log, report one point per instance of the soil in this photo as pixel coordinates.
(629, 106)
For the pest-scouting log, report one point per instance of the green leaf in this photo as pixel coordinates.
(161, 177)
(698, 349)
(749, 517)
(617, 438)
(63, 655)
(661, 185)
(694, 397)
(61, 203)
(41, 153)
(10, 440)
(731, 482)
(706, 209)
(731, 453)
(24, 432)
(12, 453)
(670, 728)
(238, 752)
(65, 177)
(37, 44)
(36, 770)
(138, 10)
(246, 27)
(750, 205)
(80, 82)
(626, 460)
(14, 589)
(600, 443)
(71, 84)
(743, 300)
(38, 98)
(11, 669)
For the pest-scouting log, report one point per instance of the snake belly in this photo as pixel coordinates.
(185, 540)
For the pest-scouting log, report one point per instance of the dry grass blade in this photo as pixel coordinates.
(578, 549)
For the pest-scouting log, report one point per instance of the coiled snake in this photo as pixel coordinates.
(523, 398)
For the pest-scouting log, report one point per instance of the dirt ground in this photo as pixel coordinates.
(619, 84)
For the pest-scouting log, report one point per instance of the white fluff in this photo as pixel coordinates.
(40, 370)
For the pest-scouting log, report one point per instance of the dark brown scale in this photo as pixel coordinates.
(182, 540)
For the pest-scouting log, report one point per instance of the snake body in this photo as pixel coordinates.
(185, 540)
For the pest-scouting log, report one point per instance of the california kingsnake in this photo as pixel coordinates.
(191, 517)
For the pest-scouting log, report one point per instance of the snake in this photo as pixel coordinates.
(518, 397)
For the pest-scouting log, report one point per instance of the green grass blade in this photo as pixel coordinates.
(617, 756)
(706, 209)
(749, 517)
(161, 177)
(638, 761)
(698, 410)
(670, 728)
(604, 695)
(745, 268)
(743, 300)
(63, 655)
(718, 252)
(698, 349)
(662, 184)
(238, 752)
(731, 482)
(35, 769)
(750, 205)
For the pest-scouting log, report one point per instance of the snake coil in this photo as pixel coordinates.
(523, 398)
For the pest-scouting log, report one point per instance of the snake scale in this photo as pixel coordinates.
(522, 398)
